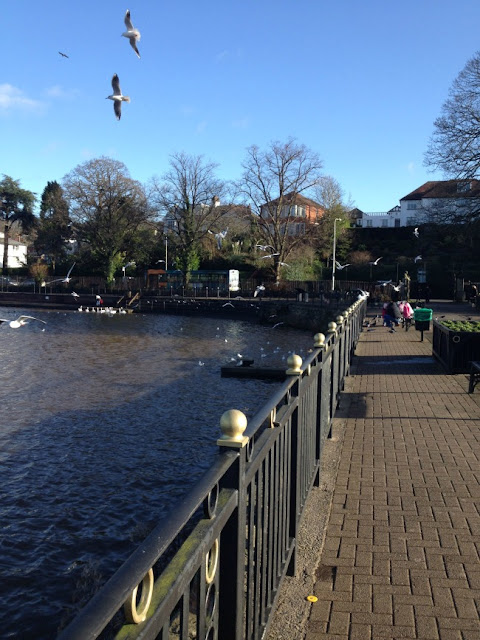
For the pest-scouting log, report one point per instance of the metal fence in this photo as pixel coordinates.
(214, 568)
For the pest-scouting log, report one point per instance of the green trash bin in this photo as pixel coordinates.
(422, 319)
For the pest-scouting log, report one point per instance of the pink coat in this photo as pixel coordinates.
(407, 311)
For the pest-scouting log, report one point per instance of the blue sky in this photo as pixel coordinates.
(361, 83)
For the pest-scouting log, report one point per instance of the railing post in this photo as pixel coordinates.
(232, 555)
(294, 369)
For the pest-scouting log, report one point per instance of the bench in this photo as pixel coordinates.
(474, 375)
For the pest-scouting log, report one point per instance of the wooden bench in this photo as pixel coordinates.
(474, 375)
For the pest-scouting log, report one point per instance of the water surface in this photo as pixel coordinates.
(104, 424)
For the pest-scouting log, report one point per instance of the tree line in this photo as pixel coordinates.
(103, 219)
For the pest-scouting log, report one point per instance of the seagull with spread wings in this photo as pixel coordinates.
(67, 277)
(269, 256)
(415, 232)
(20, 321)
(264, 247)
(375, 262)
(417, 258)
(341, 266)
(117, 97)
(131, 33)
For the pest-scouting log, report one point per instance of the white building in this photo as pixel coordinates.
(435, 201)
(442, 201)
(17, 252)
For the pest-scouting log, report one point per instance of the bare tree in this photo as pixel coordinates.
(273, 182)
(455, 144)
(189, 195)
(107, 208)
(454, 147)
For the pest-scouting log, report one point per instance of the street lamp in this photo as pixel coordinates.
(334, 250)
(129, 264)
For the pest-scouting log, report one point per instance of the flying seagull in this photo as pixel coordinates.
(221, 235)
(270, 256)
(341, 266)
(417, 258)
(131, 33)
(375, 262)
(64, 55)
(20, 321)
(67, 277)
(264, 247)
(117, 97)
(415, 232)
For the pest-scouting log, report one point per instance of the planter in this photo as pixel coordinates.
(455, 349)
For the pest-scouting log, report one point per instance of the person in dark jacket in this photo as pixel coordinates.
(392, 315)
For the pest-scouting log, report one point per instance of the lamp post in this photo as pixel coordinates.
(334, 250)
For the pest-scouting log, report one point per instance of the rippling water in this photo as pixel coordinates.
(105, 422)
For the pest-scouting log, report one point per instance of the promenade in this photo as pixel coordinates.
(401, 555)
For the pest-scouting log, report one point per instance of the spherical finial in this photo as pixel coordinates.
(340, 319)
(332, 327)
(319, 340)
(294, 365)
(233, 423)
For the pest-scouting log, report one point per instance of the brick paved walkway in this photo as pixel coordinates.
(401, 554)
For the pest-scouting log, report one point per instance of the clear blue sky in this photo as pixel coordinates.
(361, 83)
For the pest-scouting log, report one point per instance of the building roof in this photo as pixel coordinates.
(446, 189)
(297, 198)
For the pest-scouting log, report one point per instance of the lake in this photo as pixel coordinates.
(105, 422)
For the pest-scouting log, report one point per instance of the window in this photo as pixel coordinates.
(411, 205)
(369, 223)
(411, 221)
(397, 222)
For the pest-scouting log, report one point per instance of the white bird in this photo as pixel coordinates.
(417, 258)
(415, 232)
(396, 287)
(341, 266)
(283, 264)
(131, 33)
(264, 247)
(74, 294)
(67, 277)
(219, 237)
(277, 325)
(20, 321)
(269, 256)
(228, 304)
(375, 262)
(258, 290)
(117, 97)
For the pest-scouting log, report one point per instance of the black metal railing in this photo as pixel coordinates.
(214, 568)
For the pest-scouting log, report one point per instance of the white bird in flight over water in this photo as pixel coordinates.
(20, 321)
(67, 277)
(375, 262)
(117, 97)
(131, 33)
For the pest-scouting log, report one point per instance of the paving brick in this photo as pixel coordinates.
(404, 528)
